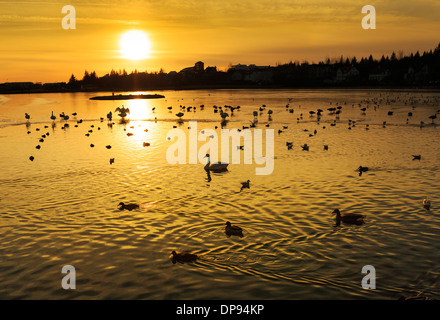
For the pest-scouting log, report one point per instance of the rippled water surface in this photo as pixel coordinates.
(61, 208)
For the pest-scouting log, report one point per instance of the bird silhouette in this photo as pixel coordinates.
(231, 230)
(349, 218)
(129, 207)
(426, 204)
(362, 169)
(215, 167)
(183, 257)
(245, 184)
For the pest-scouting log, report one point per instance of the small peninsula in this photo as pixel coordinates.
(128, 97)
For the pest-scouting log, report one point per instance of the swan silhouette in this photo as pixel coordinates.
(362, 169)
(215, 167)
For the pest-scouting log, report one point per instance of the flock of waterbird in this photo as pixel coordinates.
(349, 218)
(123, 112)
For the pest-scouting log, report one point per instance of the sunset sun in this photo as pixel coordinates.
(135, 45)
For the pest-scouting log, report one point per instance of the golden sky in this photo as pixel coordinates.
(35, 47)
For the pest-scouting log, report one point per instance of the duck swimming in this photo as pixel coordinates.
(180, 115)
(245, 185)
(350, 218)
(183, 257)
(233, 230)
(426, 204)
(129, 207)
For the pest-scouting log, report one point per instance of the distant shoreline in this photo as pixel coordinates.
(227, 87)
(417, 71)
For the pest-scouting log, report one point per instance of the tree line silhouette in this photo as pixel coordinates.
(396, 70)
